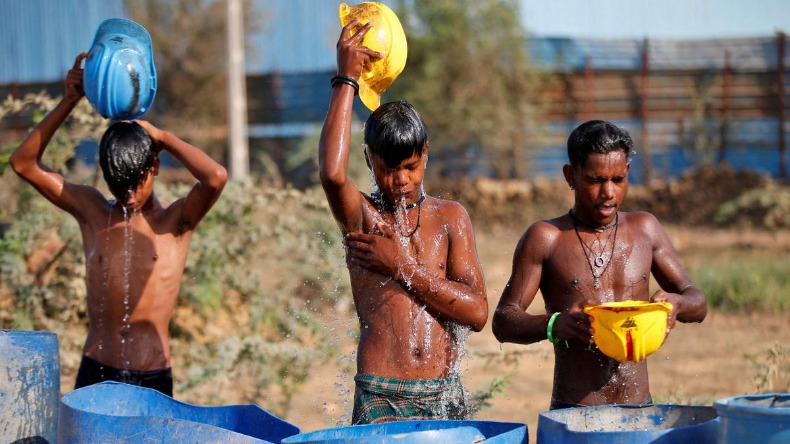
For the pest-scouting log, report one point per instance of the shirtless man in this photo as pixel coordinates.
(135, 247)
(591, 255)
(416, 280)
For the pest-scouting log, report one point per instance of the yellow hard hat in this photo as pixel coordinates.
(385, 36)
(629, 330)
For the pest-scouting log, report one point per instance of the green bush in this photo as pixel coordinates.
(264, 266)
(764, 207)
(758, 285)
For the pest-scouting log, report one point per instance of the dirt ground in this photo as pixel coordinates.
(698, 363)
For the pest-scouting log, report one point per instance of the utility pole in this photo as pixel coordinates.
(644, 113)
(782, 102)
(239, 158)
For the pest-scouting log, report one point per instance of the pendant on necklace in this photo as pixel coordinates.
(599, 261)
(404, 241)
(596, 284)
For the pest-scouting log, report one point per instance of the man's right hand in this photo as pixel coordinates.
(575, 323)
(74, 86)
(352, 58)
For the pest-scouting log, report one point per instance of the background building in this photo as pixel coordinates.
(684, 101)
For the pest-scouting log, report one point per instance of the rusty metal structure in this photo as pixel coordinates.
(709, 95)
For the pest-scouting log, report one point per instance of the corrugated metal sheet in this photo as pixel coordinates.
(298, 36)
(40, 38)
(758, 53)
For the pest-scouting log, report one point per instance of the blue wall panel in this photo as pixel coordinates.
(40, 38)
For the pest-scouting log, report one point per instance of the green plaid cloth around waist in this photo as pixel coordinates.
(379, 399)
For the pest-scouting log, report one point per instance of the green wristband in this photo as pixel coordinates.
(550, 327)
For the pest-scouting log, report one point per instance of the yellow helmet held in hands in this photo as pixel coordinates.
(385, 36)
(629, 330)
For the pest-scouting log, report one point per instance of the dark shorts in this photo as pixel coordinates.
(93, 372)
(378, 399)
(567, 405)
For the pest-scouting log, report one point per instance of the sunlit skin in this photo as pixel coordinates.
(549, 258)
(406, 297)
(135, 247)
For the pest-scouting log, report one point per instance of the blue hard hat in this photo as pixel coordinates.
(120, 77)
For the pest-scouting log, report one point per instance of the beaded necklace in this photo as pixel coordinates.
(597, 258)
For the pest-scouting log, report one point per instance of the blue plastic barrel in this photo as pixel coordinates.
(419, 432)
(29, 386)
(626, 424)
(754, 418)
(120, 413)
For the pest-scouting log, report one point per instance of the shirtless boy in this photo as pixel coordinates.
(416, 280)
(591, 255)
(135, 247)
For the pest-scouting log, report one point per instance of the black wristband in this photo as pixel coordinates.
(347, 80)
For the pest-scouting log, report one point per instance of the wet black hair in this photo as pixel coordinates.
(599, 137)
(395, 132)
(126, 154)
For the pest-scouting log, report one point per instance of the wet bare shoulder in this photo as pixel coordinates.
(642, 219)
(644, 223)
(450, 208)
(170, 218)
(450, 213)
(91, 206)
(540, 239)
(546, 230)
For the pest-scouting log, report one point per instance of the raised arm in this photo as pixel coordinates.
(211, 175)
(335, 143)
(26, 160)
(688, 302)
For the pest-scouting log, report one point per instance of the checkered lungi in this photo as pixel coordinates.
(378, 399)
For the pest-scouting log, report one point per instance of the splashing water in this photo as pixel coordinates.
(420, 322)
(457, 401)
(402, 219)
(128, 248)
(105, 265)
(374, 186)
(459, 335)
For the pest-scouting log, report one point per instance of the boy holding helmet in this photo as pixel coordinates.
(592, 255)
(416, 280)
(135, 247)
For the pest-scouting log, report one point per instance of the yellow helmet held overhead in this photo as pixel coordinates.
(629, 330)
(385, 36)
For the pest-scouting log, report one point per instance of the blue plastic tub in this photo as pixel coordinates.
(626, 424)
(29, 386)
(754, 418)
(420, 432)
(117, 412)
